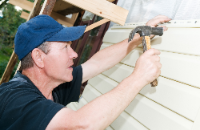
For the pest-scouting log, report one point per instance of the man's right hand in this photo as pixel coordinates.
(147, 67)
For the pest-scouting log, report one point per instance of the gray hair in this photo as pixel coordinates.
(27, 61)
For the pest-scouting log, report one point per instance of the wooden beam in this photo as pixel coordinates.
(35, 11)
(74, 17)
(61, 5)
(94, 25)
(103, 9)
(47, 7)
(24, 4)
(59, 18)
(62, 19)
(27, 5)
(9, 68)
(24, 15)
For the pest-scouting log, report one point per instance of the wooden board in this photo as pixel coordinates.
(59, 18)
(35, 10)
(101, 8)
(24, 15)
(9, 68)
(90, 27)
(24, 4)
(27, 5)
(65, 8)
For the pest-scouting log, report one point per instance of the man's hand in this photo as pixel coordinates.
(153, 23)
(148, 67)
(157, 20)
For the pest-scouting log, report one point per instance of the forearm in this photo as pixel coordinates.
(108, 57)
(102, 111)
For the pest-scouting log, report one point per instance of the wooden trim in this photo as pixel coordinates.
(24, 15)
(74, 17)
(47, 7)
(61, 5)
(103, 9)
(59, 18)
(9, 68)
(90, 27)
(35, 10)
(62, 19)
(24, 4)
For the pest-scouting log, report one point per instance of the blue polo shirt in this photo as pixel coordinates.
(23, 106)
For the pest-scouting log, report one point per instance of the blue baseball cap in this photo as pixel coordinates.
(43, 28)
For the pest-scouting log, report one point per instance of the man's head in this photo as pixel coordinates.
(40, 29)
(44, 42)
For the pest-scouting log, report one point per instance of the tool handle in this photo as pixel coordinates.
(146, 47)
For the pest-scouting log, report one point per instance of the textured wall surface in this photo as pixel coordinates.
(175, 103)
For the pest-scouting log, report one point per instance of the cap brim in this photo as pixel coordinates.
(68, 34)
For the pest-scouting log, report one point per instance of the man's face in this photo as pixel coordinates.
(59, 60)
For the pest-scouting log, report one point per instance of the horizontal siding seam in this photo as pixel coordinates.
(95, 88)
(126, 64)
(156, 102)
(166, 77)
(179, 82)
(179, 53)
(110, 78)
(136, 119)
(83, 98)
(111, 127)
(167, 108)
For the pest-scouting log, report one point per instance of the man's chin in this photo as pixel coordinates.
(69, 79)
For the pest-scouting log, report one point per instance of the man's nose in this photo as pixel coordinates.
(73, 54)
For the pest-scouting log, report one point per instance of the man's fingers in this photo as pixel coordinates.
(153, 51)
(158, 19)
(164, 27)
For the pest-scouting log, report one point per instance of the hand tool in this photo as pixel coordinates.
(145, 32)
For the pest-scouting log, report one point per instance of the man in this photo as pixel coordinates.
(32, 100)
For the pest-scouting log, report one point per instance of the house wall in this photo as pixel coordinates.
(175, 103)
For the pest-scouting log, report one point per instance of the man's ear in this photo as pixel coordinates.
(38, 57)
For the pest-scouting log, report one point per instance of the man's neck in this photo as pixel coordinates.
(44, 83)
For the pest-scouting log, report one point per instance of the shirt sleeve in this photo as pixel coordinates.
(70, 91)
(27, 110)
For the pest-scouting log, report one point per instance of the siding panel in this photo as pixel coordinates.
(175, 103)
(155, 116)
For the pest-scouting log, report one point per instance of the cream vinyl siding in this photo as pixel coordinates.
(175, 103)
